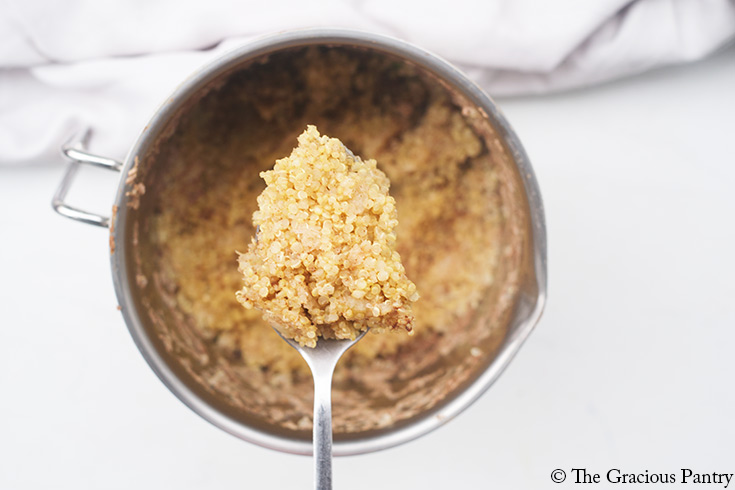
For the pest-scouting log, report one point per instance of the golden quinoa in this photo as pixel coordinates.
(324, 263)
(457, 236)
(442, 178)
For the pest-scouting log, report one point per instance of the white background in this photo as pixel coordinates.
(631, 366)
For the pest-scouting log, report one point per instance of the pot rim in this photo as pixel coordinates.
(444, 71)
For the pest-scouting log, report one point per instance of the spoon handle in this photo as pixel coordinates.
(322, 360)
(323, 431)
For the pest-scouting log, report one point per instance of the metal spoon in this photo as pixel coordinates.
(322, 360)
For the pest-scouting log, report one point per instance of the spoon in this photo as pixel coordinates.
(322, 360)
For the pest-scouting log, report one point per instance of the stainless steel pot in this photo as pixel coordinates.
(528, 300)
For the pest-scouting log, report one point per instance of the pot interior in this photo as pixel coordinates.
(463, 235)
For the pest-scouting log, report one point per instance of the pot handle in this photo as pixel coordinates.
(75, 150)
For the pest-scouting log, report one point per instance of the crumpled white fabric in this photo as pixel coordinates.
(108, 64)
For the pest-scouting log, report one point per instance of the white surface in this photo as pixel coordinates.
(631, 366)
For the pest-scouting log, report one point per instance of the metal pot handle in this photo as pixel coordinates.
(75, 150)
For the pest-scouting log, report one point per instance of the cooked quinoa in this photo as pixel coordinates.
(456, 234)
(324, 263)
(442, 178)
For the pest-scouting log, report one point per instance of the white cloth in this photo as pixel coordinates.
(108, 64)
